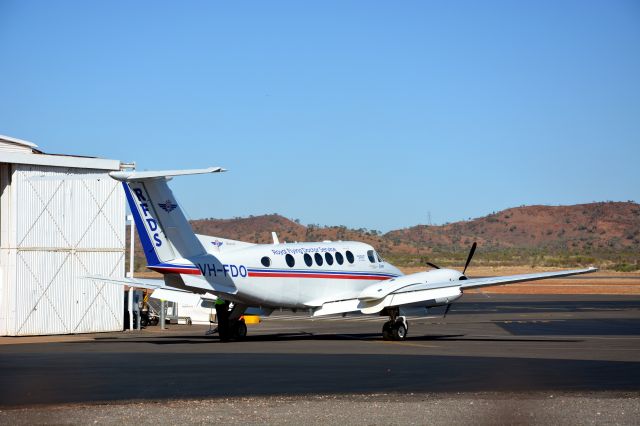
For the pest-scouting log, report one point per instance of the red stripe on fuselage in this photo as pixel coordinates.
(329, 276)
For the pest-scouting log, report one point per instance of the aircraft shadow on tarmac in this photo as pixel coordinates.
(304, 336)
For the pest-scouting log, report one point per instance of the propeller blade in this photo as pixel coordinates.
(433, 265)
(446, 311)
(473, 250)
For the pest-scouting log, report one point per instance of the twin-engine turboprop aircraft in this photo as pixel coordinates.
(321, 277)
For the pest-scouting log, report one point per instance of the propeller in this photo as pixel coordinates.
(466, 265)
(463, 277)
(471, 252)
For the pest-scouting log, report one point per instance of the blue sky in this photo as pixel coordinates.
(358, 113)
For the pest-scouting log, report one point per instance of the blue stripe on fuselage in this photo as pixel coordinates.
(147, 246)
(321, 271)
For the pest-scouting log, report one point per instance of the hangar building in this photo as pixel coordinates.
(62, 218)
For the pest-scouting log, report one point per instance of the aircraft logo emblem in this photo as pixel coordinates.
(168, 206)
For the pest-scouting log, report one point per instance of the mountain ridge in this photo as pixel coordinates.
(600, 230)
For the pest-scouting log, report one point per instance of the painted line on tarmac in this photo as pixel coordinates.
(417, 345)
(549, 338)
(348, 336)
(615, 338)
(506, 339)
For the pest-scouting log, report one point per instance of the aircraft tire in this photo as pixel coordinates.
(387, 331)
(224, 333)
(399, 331)
(240, 330)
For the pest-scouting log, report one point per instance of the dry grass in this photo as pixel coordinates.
(147, 274)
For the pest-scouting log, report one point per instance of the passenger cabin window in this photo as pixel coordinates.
(328, 258)
(266, 262)
(339, 258)
(350, 257)
(307, 259)
(318, 258)
(371, 257)
(290, 260)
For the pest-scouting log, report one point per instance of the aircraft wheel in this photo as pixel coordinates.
(387, 331)
(240, 330)
(399, 330)
(224, 333)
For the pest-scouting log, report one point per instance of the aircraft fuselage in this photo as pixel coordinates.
(295, 275)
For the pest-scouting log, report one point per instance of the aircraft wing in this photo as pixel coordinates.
(418, 293)
(510, 279)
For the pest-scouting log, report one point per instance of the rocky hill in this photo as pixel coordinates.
(601, 231)
(611, 225)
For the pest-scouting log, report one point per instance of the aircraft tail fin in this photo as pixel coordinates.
(164, 231)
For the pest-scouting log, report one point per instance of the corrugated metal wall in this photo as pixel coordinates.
(69, 223)
(7, 255)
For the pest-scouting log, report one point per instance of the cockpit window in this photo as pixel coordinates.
(379, 258)
(371, 257)
(307, 259)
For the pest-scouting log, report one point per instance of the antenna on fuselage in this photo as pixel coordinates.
(275, 238)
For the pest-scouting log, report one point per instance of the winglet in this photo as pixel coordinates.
(137, 176)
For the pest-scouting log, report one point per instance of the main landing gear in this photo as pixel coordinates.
(231, 325)
(397, 326)
(234, 330)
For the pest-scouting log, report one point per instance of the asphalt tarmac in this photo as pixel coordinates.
(498, 344)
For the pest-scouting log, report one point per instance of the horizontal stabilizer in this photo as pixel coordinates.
(138, 176)
(149, 283)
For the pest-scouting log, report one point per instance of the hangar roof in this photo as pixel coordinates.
(7, 143)
(18, 151)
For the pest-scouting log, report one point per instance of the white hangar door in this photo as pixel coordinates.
(70, 223)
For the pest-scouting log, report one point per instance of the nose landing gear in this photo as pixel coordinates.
(397, 326)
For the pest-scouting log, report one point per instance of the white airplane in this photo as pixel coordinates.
(329, 277)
